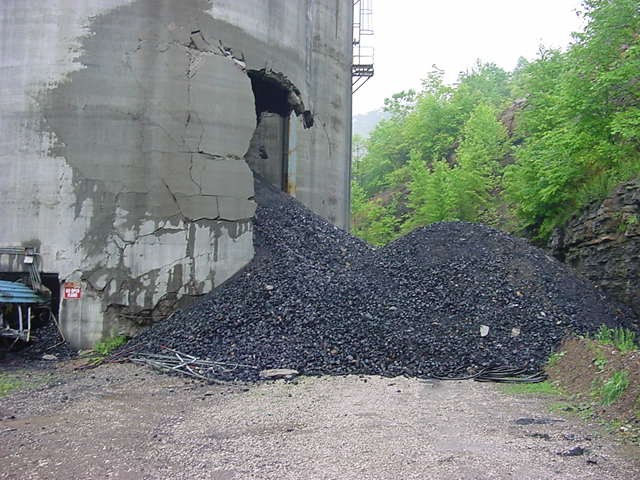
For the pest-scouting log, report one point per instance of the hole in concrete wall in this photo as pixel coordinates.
(272, 151)
(271, 95)
(275, 93)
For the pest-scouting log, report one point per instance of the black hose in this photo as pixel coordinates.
(500, 375)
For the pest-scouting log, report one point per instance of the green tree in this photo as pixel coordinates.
(385, 152)
(431, 198)
(440, 155)
(401, 104)
(358, 148)
(462, 191)
(581, 125)
(483, 145)
(370, 220)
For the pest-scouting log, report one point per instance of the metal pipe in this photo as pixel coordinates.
(28, 323)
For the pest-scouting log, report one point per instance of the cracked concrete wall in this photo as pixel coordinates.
(123, 127)
(310, 41)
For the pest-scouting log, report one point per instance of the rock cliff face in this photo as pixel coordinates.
(603, 244)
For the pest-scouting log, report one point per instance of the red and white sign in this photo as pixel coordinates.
(72, 291)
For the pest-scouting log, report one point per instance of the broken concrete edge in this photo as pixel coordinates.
(294, 96)
(199, 43)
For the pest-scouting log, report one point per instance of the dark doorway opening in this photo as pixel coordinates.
(272, 152)
(270, 94)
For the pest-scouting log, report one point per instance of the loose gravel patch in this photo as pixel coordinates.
(442, 301)
(124, 421)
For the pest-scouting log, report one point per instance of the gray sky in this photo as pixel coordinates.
(412, 35)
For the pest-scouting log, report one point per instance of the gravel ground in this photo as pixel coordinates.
(124, 421)
(440, 301)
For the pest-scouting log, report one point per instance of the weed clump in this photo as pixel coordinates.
(108, 345)
(611, 390)
(621, 338)
(7, 384)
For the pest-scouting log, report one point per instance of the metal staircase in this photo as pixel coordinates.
(362, 65)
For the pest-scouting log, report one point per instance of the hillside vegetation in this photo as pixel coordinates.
(520, 150)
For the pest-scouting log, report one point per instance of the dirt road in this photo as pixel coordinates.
(123, 421)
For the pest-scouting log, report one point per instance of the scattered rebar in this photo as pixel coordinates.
(188, 365)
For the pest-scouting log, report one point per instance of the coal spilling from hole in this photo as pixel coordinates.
(444, 300)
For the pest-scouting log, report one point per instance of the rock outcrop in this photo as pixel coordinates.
(603, 244)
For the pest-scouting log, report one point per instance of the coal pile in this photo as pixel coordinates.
(442, 301)
(45, 340)
(48, 341)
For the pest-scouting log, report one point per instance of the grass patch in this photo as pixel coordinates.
(611, 390)
(582, 410)
(621, 338)
(600, 362)
(108, 345)
(554, 358)
(541, 388)
(8, 384)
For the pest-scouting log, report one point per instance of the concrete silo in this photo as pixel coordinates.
(127, 132)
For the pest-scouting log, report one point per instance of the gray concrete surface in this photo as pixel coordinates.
(123, 130)
(127, 422)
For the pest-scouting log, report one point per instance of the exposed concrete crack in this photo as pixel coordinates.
(191, 114)
(169, 135)
(215, 156)
(228, 52)
(199, 43)
(160, 231)
(121, 287)
(197, 184)
(324, 129)
(124, 244)
(202, 131)
(122, 248)
(195, 62)
(175, 199)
